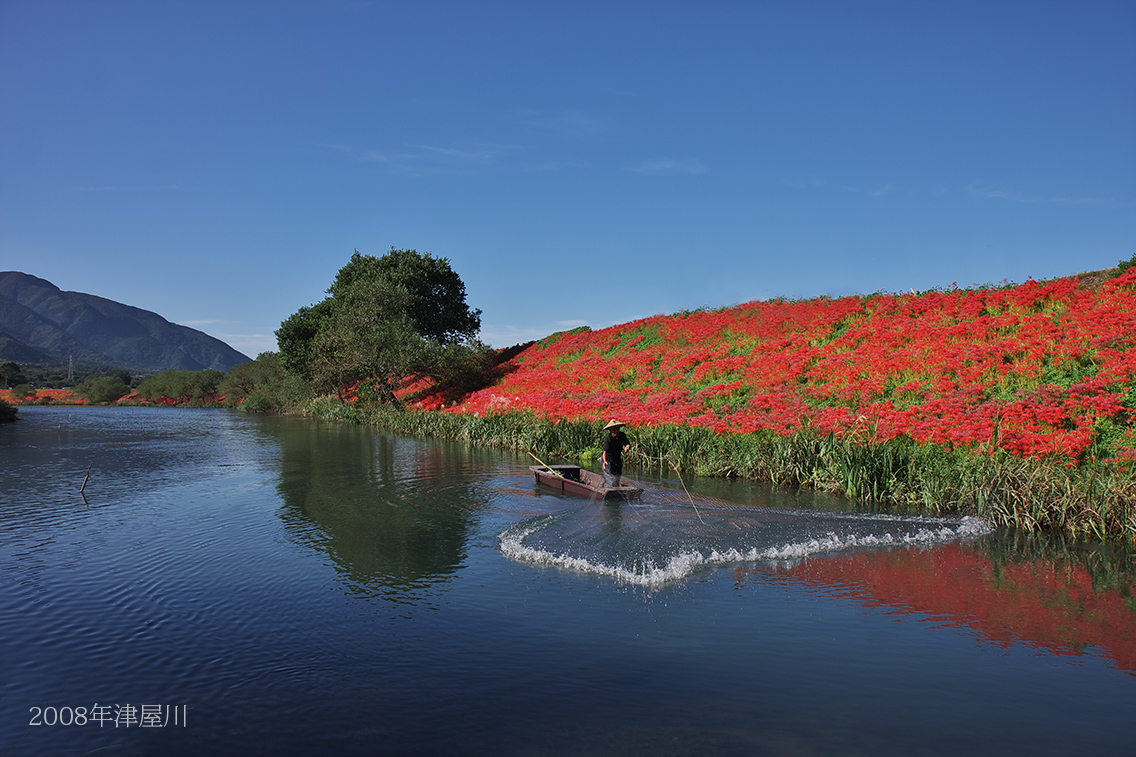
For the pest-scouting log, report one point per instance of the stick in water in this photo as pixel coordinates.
(84, 486)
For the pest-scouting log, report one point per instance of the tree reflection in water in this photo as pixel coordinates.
(393, 514)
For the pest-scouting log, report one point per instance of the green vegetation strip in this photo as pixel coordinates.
(1093, 501)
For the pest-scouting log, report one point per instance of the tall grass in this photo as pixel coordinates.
(1095, 501)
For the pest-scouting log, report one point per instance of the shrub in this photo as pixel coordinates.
(331, 408)
(1124, 265)
(257, 402)
(104, 389)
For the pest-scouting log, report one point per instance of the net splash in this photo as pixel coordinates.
(650, 545)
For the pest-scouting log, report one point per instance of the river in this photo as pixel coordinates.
(228, 584)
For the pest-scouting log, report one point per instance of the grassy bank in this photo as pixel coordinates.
(1095, 501)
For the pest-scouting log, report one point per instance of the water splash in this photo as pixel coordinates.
(656, 542)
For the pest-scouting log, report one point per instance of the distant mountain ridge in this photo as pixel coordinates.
(41, 323)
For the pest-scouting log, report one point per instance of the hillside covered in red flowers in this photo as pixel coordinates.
(1040, 369)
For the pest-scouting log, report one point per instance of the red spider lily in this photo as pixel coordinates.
(1030, 369)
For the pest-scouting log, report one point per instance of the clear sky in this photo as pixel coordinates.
(577, 162)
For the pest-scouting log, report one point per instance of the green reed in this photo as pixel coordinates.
(1092, 501)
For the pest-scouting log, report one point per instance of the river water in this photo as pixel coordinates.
(229, 584)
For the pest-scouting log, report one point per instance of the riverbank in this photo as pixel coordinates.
(1094, 500)
(1015, 402)
(1089, 501)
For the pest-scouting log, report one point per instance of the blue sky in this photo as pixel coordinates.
(577, 162)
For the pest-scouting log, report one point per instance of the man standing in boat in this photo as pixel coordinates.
(614, 444)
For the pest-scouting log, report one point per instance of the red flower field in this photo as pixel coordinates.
(1037, 369)
(60, 396)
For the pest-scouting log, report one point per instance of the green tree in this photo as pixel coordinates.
(296, 334)
(388, 319)
(22, 391)
(371, 336)
(122, 374)
(246, 378)
(263, 386)
(182, 387)
(7, 412)
(437, 306)
(10, 371)
(104, 389)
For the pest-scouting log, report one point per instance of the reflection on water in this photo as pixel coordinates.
(393, 517)
(1037, 590)
(1013, 588)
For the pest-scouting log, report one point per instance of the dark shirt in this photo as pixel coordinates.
(613, 445)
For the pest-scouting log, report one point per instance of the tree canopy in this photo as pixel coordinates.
(104, 389)
(296, 336)
(436, 305)
(182, 387)
(263, 386)
(9, 369)
(400, 316)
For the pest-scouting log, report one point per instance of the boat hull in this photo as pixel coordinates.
(572, 479)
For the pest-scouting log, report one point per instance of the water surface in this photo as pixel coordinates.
(299, 587)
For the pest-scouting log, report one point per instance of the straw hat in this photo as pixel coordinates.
(614, 424)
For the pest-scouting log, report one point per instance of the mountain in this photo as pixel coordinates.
(39, 322)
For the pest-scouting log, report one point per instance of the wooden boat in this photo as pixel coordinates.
(575, 480)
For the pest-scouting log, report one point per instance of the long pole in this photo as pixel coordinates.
(550, 470)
